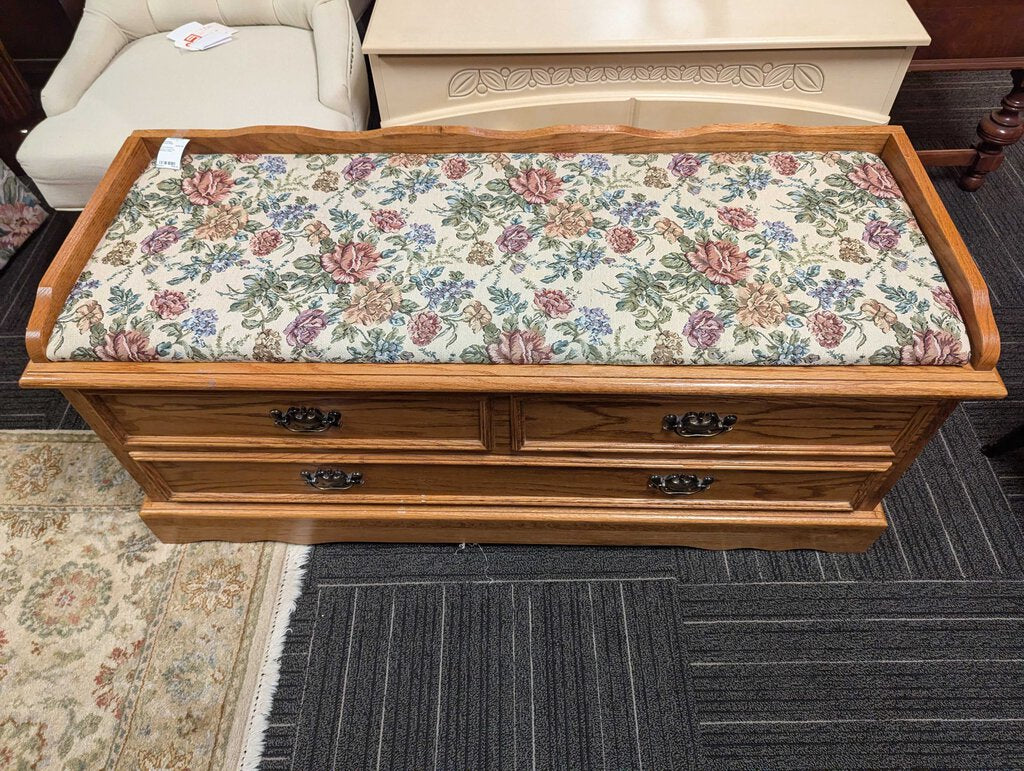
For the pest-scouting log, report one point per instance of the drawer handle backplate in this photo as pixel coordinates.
(680, 484)
(698, 424)
(306, 420)
(332, 478)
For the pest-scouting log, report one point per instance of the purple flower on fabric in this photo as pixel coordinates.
(359, 168)
(422, 235)
(514, 239)
(684, 165)
(791, 353)
(81, 287)
(448, 292)
(835, 291)
(780, 233)
(202, 323)
(273, 166)
(881, 235)
(703, 329)
(160, 239)
(636, 210)
(305, 328)
(585, 257)
(595, 164)
(595, 322)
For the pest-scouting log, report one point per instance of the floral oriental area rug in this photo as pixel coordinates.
(118, 651)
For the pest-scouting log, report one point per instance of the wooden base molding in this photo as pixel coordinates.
(705, 529)
(800, 457)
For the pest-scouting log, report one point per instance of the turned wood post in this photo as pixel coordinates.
(997, 130)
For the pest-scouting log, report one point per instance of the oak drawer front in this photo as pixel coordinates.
(624, 425)
(436, 422)
(357, 481)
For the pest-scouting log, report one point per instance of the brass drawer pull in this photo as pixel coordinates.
(698, 424)
(680, 484)
(332, 478)
(306, 420)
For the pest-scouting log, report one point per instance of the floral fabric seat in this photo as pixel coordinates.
(724, 258)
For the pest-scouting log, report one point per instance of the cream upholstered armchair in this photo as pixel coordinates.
(292, 62)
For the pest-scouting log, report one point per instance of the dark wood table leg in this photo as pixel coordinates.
(998, 130)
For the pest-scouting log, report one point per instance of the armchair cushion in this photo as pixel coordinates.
(340, 64)
(266, 75)
(724, 258)
(97, 41)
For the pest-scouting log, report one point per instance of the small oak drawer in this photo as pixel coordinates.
(367, 480)
(396, 422)
(694, 424)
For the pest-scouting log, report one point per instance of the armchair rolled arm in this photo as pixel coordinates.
(96, 42)
(341, 69)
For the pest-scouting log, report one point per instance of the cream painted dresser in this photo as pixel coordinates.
(658, 64)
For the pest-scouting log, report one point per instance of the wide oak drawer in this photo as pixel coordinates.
(628, 425)
(358, 481)
(435, 422)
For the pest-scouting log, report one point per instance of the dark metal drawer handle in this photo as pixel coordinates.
(306, 420)
(698, 424)
(680, 484)
(332, 478)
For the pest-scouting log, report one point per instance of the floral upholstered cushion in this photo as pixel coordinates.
(724, 258)
(21, 214)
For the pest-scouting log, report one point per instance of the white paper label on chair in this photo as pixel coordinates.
(169, 156)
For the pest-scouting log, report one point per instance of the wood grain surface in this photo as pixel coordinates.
(707, 528)
(398, 421)
(536, 454)
(544, 424)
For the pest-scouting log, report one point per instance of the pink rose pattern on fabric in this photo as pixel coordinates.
(876, 179)
(515, 258)
(520, 347)
(784, 163)
(424, 327)
(537, 185)
(455, 168)
(129, 345)
(741, 219)
(207, 187)
(266, 241)
(169, 303)
(350, 263)
(622, 240)
(18, 221)
(553, 303)
(721, 261)
(387, 220)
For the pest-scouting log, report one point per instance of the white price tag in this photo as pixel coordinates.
(169, 156)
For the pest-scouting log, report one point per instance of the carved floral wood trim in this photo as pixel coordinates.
(802, 76)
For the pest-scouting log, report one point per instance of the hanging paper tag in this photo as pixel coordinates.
(169, 156)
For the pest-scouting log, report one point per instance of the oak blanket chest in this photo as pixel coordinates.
(735, 336)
